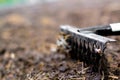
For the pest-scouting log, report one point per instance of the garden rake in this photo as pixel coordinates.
(88, 44)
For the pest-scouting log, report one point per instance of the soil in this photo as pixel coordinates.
(28, 40)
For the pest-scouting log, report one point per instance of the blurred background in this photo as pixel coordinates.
(33, 25)
(35, 22)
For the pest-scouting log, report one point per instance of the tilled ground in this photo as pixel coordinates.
(28, 40)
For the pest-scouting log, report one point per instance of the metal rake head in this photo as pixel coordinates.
(83, 45)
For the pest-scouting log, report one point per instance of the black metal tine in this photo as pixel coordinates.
(88, 54)
(80, 50)
(72, 52)
(75, 46)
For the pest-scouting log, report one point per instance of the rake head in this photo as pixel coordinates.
(84, 45)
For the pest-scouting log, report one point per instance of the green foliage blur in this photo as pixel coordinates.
(10, 1)
(4, 3)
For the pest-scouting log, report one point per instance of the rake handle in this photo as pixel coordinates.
(106, 30)
(111, 29)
